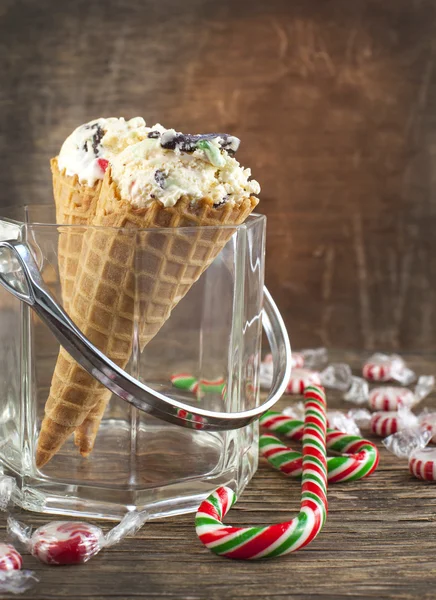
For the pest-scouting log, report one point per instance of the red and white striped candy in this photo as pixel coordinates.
(250, 543)
(300, 379)
(384, 423)
(10, 559)
(390, 398)
(66, 543)
(429, 422)
(377, 371)
(422, 464)
(297, 360)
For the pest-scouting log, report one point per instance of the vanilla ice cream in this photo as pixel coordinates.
(168, 165)
(87, 151)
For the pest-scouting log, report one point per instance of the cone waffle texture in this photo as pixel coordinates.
(128, 281)
(75, 205)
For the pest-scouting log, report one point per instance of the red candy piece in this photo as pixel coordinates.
(422, 464)
(377, 372)
(384, 423)
(390, 398)
(103, 164)
(300, 379)
(429, 422)
(10, 559)
(297, 360)
(66, 543)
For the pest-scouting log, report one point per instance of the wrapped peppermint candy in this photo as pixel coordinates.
(12, 579)
(336, 419)
(297, 360)
(295, 411)
(389, 398)
(72, 542)
(407, 440)
(358, 391)
(428, 421)
(336, 376)
(341, 421)
(311, 358)
(300, 379)
(387, 367)
(422, 464)
(392, 398)
(385, 423)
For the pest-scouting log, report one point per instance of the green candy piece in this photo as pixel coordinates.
(212, 153)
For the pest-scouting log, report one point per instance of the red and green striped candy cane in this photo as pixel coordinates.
(359, 458)
(250, 543)
(186, 381)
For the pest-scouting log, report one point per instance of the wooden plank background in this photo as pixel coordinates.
(334, 102)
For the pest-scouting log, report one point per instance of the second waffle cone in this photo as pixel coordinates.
(124, 275)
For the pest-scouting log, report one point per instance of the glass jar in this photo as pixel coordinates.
(139, 461)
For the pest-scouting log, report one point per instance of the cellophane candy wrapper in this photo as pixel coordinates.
(296, 411)
(336, 419)
(313, 359)
(395, 366)
(337, 376)
(424, 387)
(12, 579)
(72, 542)
(361, 416)
(412, 435)
(427, 420)
(7, 487)
(358, 391)
(16, 582)
(341, 421)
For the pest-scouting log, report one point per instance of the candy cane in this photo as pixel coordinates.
(185, 381)
(249, 543)
(359, 458)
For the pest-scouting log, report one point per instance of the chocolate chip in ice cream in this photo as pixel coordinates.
(160, 178)
(153, 134)
(222, 201)
(96, 139)
(186, 142)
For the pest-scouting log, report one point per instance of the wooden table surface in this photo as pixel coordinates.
(378, 543)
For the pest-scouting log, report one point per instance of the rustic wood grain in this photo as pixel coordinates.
(378, 543)
(334, 102)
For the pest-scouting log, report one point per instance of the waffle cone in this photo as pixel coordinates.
(75, 205)
(124, 277)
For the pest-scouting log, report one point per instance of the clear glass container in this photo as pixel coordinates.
(138, 461)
